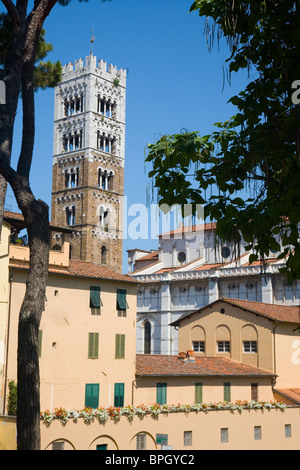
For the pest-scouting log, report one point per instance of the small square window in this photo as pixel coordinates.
(250, 347)
(223, 346)
(288, 431)
(122, 313)
(187, 438)
(199, 346)
(224, 435)
(257, 433)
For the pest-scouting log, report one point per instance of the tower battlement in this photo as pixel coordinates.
(90, 65)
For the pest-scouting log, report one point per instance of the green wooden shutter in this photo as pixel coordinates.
(121, 299)
(95, 299)
(227, 391)
(93, 345)
(198, 393)
(119, 394)
(92, 395)
(120, 347)
(161, 393)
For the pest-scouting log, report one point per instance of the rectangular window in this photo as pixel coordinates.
(224, 435)
(141, 441)
(257, 433)
(93, 345)
(250, 347)
(223, 346)
(120, 347)
(199, 346)
(119, 395)
(288, 431)
(95, 300)
(92, 395)
(161, 393)
(122, 304)
(254, 392)
(227, 391)
(198, 393)
(187, 438)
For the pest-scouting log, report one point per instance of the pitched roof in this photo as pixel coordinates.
(192, 228)
(291, 393)
(160, 365)
(17, 220)
(281, 313)
(82, 269)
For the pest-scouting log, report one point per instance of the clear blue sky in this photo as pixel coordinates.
(174, 82)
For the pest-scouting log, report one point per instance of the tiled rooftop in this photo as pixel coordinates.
(81, 269)
(160, 365)
(284, 313)
(291, 393)
(281, 313)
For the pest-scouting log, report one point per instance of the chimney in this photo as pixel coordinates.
(181, 355)
(190, 356)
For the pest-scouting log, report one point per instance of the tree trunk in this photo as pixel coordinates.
(28, 407)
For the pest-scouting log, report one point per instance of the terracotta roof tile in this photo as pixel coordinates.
(192, 228)
(291, 393)
(19, 219)
(160, 365)
(281, 313)
(152, 255)
(81, 269)
(284, 313)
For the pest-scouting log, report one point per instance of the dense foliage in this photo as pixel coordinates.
(247, 172)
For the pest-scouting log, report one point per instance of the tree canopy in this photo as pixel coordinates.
(46, 74)
(247, 172)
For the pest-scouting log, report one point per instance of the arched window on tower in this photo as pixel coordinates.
(147, 338)
(70, 215)
(105, 179)
(104, 218)
(73, 105)
(103, 255)
(72, 178)
(72, 142)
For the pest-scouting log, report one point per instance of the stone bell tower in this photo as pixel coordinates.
(88, 161)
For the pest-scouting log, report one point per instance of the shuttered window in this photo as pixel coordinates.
(120, 347)
(93, 345)
(227, 391)
(198, 393)
(119, 394)
(121, 300)
(141, 441)
(92, 395)
(161, 393)
(95, 297)
(58, 445)
(254, 392)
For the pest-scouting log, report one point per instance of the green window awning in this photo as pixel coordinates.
(121, 299)
(95, 298)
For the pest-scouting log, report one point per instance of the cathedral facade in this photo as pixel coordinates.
(192, 269)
